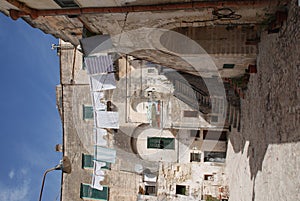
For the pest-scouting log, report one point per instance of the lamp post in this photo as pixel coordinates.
(65, 166)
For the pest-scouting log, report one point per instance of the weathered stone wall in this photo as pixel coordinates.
(77, 133)
(263, 159)
(71, 65)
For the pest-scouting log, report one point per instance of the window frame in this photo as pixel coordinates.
(194, 157)
(182, 188)
(170, 145)
(83, 161)
(92, 190)
(66, 3)
(106, 167)
(84, 115)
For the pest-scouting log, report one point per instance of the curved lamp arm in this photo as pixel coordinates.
(65, 166)
(44, 177)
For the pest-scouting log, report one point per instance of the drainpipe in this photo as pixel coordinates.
(34, 13)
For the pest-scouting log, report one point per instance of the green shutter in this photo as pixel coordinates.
(87, 161)
(107, 166)
(88, 192)
(228, 66)
(160, 143)
(88, 112)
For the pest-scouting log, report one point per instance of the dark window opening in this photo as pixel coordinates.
(151, 70)
(196, 157)
(218, 157)
(214, 118)
(87, 33)
(66, 3)
(215, 135)
(228, 66)
(83, 63)
(181, 190)
(150, 190)
(195, 133)
(208, 177)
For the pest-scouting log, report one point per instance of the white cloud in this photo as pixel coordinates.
(24, 171)
(11, 174)
(19, 192)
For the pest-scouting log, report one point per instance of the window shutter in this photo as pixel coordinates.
(86, 191)
(88, 112)
(87, 161)
(160, 143)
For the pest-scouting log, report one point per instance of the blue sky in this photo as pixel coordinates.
(30, 125)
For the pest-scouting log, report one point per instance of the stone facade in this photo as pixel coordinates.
(71, 26)
(270, 112)
(72, 95)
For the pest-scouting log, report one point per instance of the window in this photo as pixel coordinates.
(87, 33)
(151, 70)
(214, 119)
(88, 112)
(195, 133)
(196, 157)
(181, 190)
(150, 190)
(66, 3)
(228, 66)
(190, 113)
(83, 63)
(160, 143)
(88, 162)
(208, 177)
(215, 135)
(218, 157)
(86, 191)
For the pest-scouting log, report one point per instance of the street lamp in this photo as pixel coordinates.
(65, 166)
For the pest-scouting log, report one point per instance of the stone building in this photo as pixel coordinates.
(227, 30)
(206, 41)
(76, 106)
(123, 181)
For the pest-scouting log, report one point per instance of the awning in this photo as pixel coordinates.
(105, 119)
(150, 178)
(99, 137)
(103, 82)
(105, 154)
(100, 64)
(96, 45)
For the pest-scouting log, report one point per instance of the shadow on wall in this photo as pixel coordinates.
(271, 110)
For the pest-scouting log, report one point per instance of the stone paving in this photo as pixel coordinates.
(263, 159)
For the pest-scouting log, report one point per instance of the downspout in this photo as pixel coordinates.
(34, 13)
